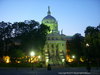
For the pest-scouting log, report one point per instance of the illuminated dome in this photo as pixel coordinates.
(50, 21)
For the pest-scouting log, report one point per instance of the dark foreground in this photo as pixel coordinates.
(44, 71)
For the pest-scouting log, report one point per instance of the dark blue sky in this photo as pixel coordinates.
(73, 16)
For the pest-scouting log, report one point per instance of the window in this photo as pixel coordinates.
(52, 46)
(62, 44)
(52, 38)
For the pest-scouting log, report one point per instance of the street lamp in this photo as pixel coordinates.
(87, 45)
(73, 56)
(32, 54)
(88, 58)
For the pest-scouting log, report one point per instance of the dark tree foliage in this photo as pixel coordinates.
(76, 45)
(92, 37)
(5, 37)
(21, 37)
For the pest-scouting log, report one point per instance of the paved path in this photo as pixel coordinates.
(44, 71)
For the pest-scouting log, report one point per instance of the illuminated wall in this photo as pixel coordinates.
(55, 49)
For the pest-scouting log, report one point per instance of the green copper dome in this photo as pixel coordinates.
(50, 18)
(51, 22)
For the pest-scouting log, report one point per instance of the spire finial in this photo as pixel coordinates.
(49, 13)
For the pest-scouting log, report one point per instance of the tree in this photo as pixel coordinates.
(19, 38)
(76, 45)
(5, 36)
(31, 35)
(92, 37)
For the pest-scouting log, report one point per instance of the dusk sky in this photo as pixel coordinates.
(73, 16)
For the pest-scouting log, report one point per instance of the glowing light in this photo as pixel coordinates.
(39, 56)
(6, 59)
(47, 60)
(63, 60)
(73, 56)
(18, 62)
(70, 60)
(81, 60)
(87, 45)
(32, 53)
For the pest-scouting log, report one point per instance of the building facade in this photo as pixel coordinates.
(55, 47)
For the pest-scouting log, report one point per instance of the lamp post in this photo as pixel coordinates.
(32, 54)
(88, 59)
(87, 45)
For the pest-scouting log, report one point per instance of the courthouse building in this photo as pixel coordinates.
(55, 47)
